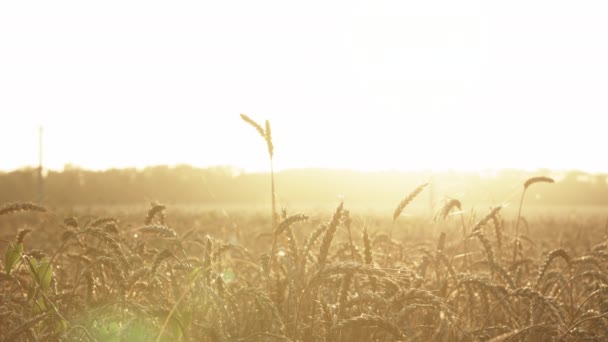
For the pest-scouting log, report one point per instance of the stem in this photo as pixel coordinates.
(179, 299)
(571, 292)
(272, 251)
(274, 224)
(274, 206)
(485, 321)
(350, 238)
(521, 202)
(464, 240)
(582, 304)
(388, 245)
(298, 308)
(583, 321)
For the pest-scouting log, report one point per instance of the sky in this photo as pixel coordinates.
(364, 85)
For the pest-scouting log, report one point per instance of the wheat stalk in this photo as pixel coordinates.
(329, 235)
(397, 212)
(367, 244)
(155, 209)
(448, 206)
(161, 230)
(527, 184)
(404, 202)
(16, 207)
(267, 135)
(21, 235)
(287, 222)
(254, 125)
(540, 179)
(343, 294)
(485, 219)
(556, 253)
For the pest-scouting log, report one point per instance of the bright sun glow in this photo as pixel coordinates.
(364, 85)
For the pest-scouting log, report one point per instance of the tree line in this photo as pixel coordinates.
(189, 185)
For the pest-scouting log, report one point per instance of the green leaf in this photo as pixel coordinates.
(42, 272)
(39, 307)
(61, 326)
(13, 253)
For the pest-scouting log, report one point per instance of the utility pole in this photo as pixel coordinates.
(40, 187)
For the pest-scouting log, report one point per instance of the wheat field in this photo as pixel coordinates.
(303, 171)
(166, 275)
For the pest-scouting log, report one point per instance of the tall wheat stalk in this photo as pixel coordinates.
(452, 203)
(398, 211)
(266, 134)
(527, 184)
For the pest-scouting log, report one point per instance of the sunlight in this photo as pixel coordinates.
(369, 86)
(303, 171)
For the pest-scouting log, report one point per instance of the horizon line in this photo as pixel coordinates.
(242, 170)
